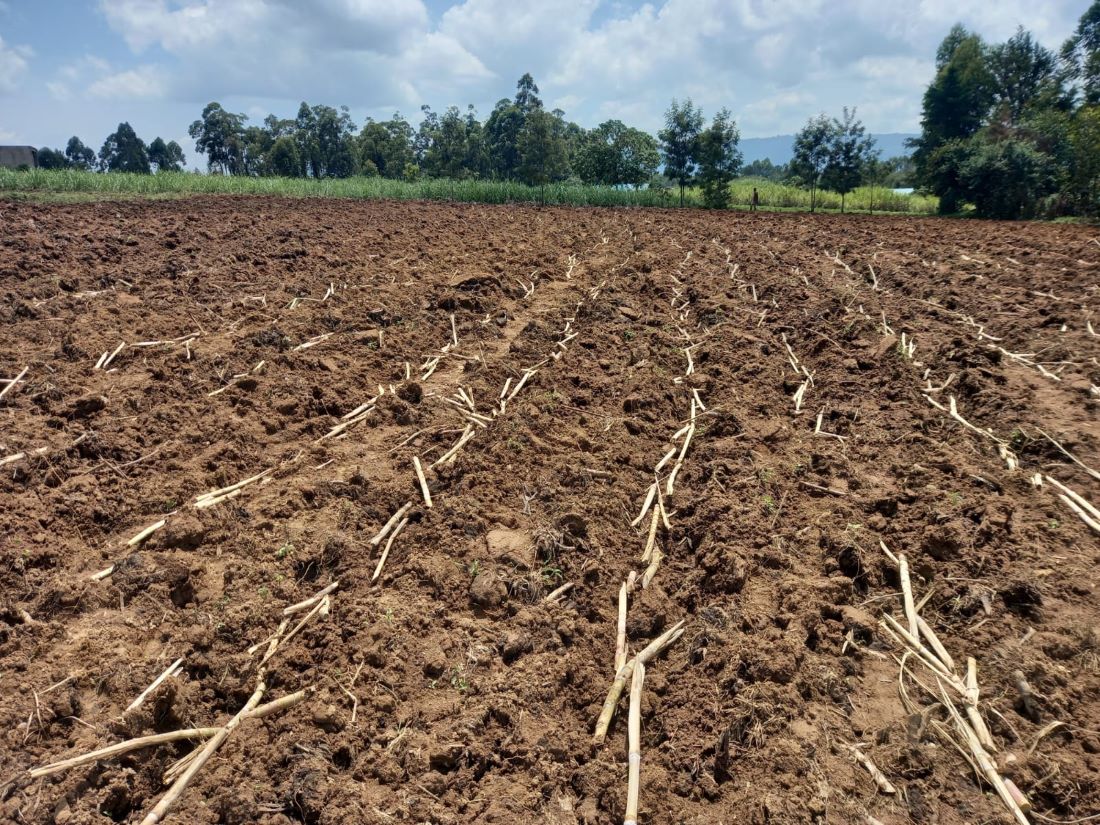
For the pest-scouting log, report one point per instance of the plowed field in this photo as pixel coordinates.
(792, 418)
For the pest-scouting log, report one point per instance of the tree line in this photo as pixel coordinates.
(520, 140)
(1011, 128)
(123, 151)
(1014, 128)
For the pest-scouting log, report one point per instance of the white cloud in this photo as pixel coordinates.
(997, 21)
(773, 63)
(776, 62)
(514, 37)
(77, 74)
(181, 27)
(436, 63)
(375, 52)
(14, 61)
(94, 75)
(142, 82)
(772, 114)
(145, 23)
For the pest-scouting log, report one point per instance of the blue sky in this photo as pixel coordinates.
(69, 67)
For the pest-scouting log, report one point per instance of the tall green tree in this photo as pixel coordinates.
(960, 97)
(331, 143)
(813, 149)
(387, 146)
(1081, 55)
(502, 130)
(477, 151)
(1024, 76)
(283, 159)
(679, 142)
(218, 135)
(504, 126)
(1083, 178)
(1002, 176)
(639, 157)
(596, 159)
(445, 144)
(426, 134)
(1006, 178)
(166, 157)
(541, 147)
(950, 44)
(257, 141)
(51, 159)
(124, 151)
(941, 173)
(279, 127)
(574, 136)
(955, 106)
(527, 94)
(78, 155)
(719, 159)
(999, 129)
(616, 154)
(850, 150)
(305, 132)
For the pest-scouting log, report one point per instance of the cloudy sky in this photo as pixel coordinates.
(69, 67)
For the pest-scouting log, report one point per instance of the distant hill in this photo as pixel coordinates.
(778, 149)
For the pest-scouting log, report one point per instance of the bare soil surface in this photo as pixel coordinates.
(450, 690)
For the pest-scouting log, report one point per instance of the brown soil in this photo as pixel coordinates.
(476, 699)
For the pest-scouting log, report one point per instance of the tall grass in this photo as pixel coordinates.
(188, 183)
(784, 196)
(772, 195)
